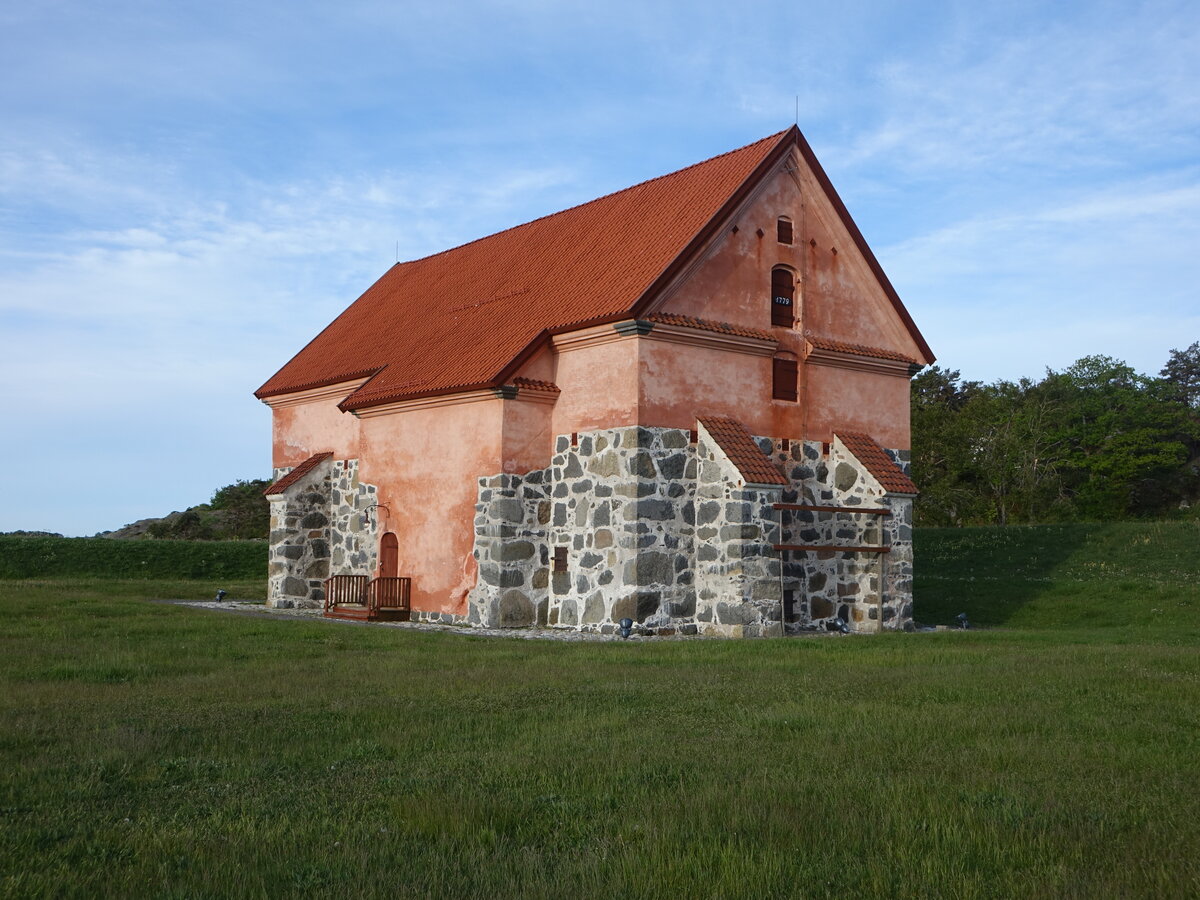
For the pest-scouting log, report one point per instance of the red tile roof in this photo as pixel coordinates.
(738, 444)
(297, 473)
(860, 349)
(709, 325)
(535, 385)
(889, 475)
(468, 317)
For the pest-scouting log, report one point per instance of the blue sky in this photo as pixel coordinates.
(190, 191)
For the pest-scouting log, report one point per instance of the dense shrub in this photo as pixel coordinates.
(39, 557)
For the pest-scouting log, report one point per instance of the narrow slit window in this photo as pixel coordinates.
(783, 380)
(784, 230)
(783, 294)
(560, 559)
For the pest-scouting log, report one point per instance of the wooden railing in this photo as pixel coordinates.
(388, 593)
(345, 589)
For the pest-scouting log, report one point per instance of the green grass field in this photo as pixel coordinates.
(158, 750)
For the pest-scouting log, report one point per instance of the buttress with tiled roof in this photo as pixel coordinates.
(531, 428)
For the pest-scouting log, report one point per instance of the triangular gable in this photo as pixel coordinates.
(467, 318)
(876, 461)
(739, 447)
(297, 473)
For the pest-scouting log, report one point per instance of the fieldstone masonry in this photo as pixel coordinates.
(320, 527)
(823, 584)
(647, 524)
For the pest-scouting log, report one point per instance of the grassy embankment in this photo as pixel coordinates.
(159, 750)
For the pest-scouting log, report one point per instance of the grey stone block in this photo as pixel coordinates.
(511, 551)
(516, 610)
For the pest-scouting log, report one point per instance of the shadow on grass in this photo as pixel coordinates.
(987, 573)
(1133, 575)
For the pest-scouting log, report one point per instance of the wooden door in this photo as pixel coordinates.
(389, 556)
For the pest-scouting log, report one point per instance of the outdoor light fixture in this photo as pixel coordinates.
(626, 628)
(962, 621)
(839, 624)
(366, 516)
(220, 596)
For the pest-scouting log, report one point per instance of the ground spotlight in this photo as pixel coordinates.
(626, 628)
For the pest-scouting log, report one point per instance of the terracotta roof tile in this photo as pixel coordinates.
(459, 319)
(709, 325)
(738, 444)
(535, 385)
(297, 473)
(860, 349)
(889, 475)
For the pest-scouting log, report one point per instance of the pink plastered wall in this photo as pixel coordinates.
(297, 432)
(426, 464)
(838, 297)
(599, 386)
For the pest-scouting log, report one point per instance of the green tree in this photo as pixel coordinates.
(1126, 437)
(1016, 450)
(1182, 371)
(941, 449)
(245, 511)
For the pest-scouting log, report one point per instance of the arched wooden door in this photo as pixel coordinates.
(389, 556)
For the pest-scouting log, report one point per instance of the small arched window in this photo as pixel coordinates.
(783, 295)
(783, 229)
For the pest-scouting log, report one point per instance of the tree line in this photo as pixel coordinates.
(1096, 441)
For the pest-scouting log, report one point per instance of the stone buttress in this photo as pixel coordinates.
(319, 527)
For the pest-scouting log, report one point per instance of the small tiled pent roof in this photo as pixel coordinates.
(469, 317)
(860, 349)
(535, 385)
(709, 325)
(889, 475)
(297, 473)
(737, 443)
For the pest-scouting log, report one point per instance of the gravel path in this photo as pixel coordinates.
(526, 634)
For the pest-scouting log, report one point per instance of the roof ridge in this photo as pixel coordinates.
(551, 215)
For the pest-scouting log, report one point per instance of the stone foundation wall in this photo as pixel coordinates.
(615, 508)
(317, 530)
(647, 525)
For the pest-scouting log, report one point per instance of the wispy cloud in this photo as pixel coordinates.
(189, 192)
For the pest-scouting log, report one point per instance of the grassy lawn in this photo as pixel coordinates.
(157, 750)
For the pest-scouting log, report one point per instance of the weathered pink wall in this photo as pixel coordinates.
(837, 297)
(857, 401)
(297, 432)
(599, 386)
(680, 382)
(425, 463)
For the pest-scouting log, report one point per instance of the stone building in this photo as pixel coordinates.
(684, 403)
